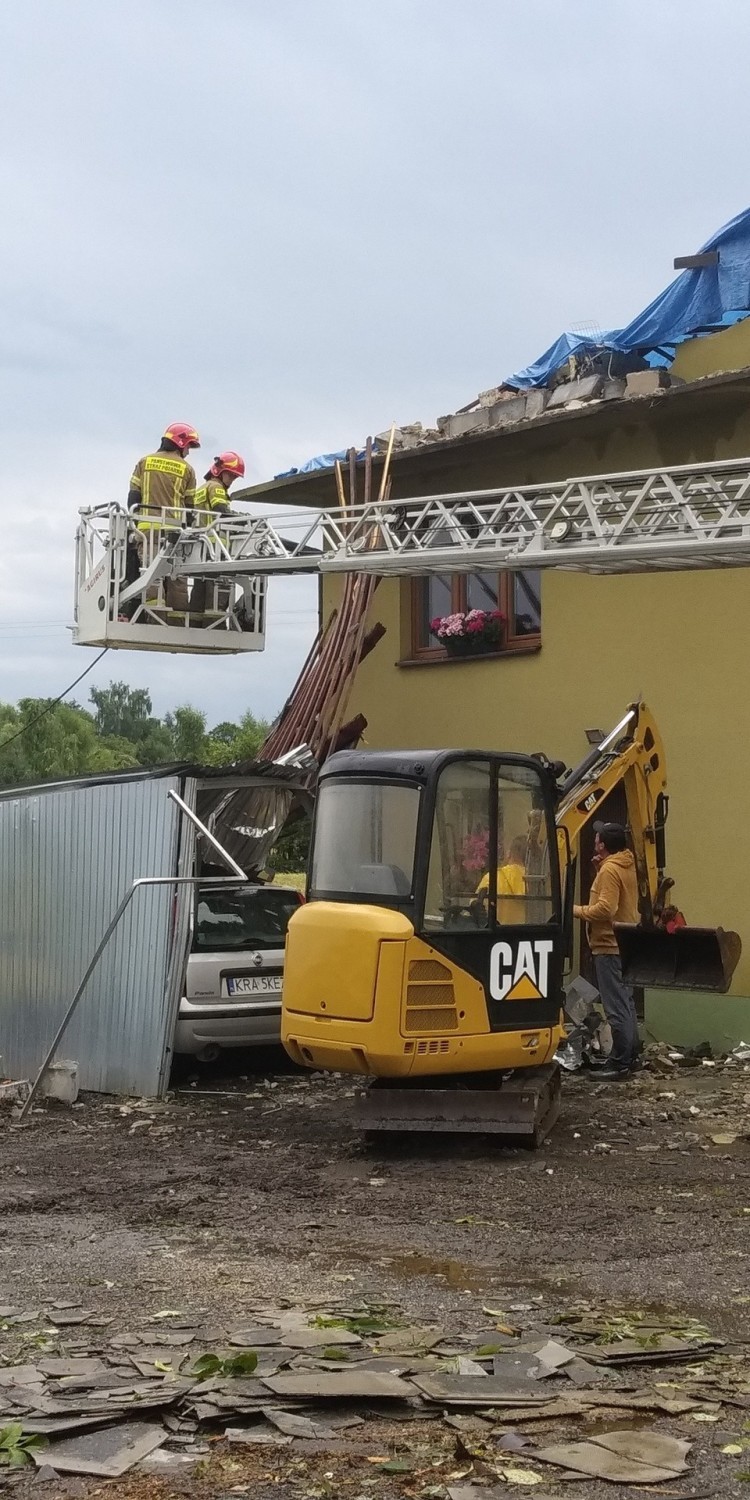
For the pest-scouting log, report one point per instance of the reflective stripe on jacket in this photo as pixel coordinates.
(166, 485)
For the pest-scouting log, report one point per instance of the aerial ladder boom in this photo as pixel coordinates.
(690, 516)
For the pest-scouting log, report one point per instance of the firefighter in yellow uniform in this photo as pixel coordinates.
(162, 490)
(211, 502)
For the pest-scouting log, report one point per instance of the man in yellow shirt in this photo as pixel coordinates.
(511, 882)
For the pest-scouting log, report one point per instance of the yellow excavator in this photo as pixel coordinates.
(431, 951)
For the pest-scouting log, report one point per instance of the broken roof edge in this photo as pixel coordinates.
(241, 771)
(318, 488)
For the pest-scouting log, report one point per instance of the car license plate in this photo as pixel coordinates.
(255, 985)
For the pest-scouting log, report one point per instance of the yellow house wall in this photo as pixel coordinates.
(682, 640)
(729, 350)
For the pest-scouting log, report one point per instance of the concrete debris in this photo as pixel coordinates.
(15, 1093)
(586, 389)
(647, 382)
(60, 1082)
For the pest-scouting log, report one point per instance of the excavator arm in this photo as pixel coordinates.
(632, 757)
(662, 951)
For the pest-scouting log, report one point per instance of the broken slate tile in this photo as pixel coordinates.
(256, 1338)
(468, 1390)
(350, 1384)
(294, 1425)
(620, 1457)
(261, 1434)
(410, 1341)
(319, 1338)
(662, 1349)
(107, 1453)
(163, 1461)
(582, 1373)
(177, 1340)
(20, 1375)
(470, 1367)
(79, 1367)
(552, 1357)
(73, 1318)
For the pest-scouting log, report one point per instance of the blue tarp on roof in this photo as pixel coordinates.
(699, 301)
(323, 461)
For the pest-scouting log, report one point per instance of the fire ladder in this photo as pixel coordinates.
(650, 520)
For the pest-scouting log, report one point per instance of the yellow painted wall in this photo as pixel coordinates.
(729, 350)
(680, 639)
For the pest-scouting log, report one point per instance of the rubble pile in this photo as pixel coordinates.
(523, 1392)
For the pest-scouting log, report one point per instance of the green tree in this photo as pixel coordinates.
(54, 740)
(228, 742)
(122, 711)
(126, 713)
(187, 727)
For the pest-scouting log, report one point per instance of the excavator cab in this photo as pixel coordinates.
(431, 946)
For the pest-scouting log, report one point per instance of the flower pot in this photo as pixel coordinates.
(471, 645)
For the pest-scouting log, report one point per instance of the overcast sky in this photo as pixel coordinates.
(290, 222)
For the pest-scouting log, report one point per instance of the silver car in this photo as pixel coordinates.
(234, 972)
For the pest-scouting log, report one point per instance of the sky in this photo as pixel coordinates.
(291, 222)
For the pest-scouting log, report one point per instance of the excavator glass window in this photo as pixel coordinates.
(489, 856)
(365, 840)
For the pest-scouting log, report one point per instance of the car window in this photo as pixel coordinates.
(254, 919)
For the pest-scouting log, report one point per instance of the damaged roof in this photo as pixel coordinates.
(581, 368)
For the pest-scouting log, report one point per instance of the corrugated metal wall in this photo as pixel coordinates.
(67, 856)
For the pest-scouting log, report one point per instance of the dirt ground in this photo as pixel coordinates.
(246, 1186)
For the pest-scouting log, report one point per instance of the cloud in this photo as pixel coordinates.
(293, 223)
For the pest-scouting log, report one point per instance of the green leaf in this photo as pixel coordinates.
(207, 1365)
(243, 1363)
(15, 1448)
(331, 1352)
(34, 1440)
(396, 1466)
(11, 1435)
(365, 1323)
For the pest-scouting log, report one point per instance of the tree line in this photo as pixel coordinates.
(40, 740)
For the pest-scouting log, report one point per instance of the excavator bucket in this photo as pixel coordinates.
(690, 958)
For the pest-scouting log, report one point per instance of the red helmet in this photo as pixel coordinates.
(182, 435)
(228, 462)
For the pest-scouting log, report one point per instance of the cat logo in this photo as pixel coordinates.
(520, 973)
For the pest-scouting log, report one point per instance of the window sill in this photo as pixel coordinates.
(531, 648)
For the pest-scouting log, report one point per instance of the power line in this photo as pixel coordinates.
(53, 702)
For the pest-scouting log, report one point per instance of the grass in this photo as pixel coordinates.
(296, 878)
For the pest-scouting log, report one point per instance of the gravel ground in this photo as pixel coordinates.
(250, 1186)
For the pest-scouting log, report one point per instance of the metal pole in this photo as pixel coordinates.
(142, 880)
(188, 811)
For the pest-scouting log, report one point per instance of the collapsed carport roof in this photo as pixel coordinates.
(253, 770)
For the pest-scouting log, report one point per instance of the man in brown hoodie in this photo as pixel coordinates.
(614, 898)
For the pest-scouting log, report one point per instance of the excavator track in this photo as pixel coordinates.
(523, 1105)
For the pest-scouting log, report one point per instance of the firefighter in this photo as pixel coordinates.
(212, 500)
(162, 488)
